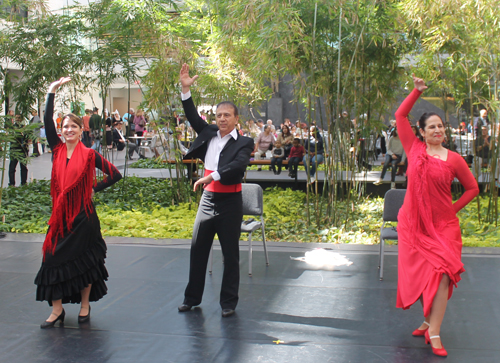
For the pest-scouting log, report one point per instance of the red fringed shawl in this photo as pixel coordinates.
(71, 185)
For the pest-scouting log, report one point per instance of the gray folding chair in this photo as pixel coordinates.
(393, 200)
(253, 205)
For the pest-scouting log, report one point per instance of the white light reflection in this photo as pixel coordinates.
(320, 257)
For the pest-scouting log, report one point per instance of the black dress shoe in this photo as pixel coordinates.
(84, 319)
(184, 307)
(50, 324)
(227, 312)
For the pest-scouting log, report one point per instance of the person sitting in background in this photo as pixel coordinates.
(120, 141)
(263, 144)
(286, 139)
(260, 125)
(296, 154)
(314, 155)
(393, 157)
(277, 158)
(482, 151)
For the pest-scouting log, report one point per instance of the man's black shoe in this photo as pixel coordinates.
(184, 307)
(227, 312)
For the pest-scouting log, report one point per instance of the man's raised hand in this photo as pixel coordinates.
(419, 83)
(186, 81)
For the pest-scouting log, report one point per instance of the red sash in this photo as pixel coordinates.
(217, 187)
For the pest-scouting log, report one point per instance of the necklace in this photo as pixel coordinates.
(436, 156)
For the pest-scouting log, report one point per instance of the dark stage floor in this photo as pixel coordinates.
(289, 312)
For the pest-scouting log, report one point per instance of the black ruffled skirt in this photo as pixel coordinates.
(77, 262)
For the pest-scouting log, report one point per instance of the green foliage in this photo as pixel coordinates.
(152, 163)
(148, 207)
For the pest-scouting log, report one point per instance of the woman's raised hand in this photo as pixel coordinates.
(186, 81)
(56, 84)
(419, 83)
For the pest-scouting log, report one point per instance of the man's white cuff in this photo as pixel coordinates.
(215, 176)
(185, 96)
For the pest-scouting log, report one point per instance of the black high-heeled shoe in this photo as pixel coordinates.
(50, 324)
(84, 319)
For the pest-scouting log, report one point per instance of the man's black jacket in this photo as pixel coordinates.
(235, 156)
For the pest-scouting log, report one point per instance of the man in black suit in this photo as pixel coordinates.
(226, 155)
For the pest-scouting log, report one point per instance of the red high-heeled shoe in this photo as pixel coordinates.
(420, 333)
(441, 352)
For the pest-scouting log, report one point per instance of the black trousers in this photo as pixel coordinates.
(219, 213)
(12, 172)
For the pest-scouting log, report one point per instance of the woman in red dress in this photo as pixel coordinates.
(430, 242)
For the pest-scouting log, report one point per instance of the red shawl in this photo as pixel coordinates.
(71, 183)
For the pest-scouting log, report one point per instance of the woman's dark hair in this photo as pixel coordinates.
(228, 103)
(395, 132)
(287, 129)
(422, 121)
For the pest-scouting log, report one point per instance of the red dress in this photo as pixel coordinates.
(430, 242)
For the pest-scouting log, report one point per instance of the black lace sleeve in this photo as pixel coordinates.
(50, 128)
(113, 175)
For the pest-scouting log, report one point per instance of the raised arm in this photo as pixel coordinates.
(192, 115)
(113, 175)
(404, 127)
(50, 129)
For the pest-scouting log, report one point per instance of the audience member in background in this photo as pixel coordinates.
(128, 122)
(86, 128)
(263, 144)
(482, 151)
(18, 152)
(296, 154)
(481, 121)
(286, 139)
(59, 120)
(121, 142)
(43, 138)
(260, 125)
(277, 158)
(253, 130)
(35, 120)
(109, 133)
(95, 124)
(314, 155)
(140, 124)
(393, 157)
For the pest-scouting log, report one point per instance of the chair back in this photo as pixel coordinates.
(393, 201)
(253, 199)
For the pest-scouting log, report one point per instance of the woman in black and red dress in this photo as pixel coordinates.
(73, 269)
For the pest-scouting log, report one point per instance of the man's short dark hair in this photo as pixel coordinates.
(260, 120)
(228, 103)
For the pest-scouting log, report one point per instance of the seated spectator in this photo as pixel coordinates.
(314, 155)
(286, 138)
(392, 158)
(263, 144)
(120, 141)
(296, 154)
(482, 151)
(277, 158)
